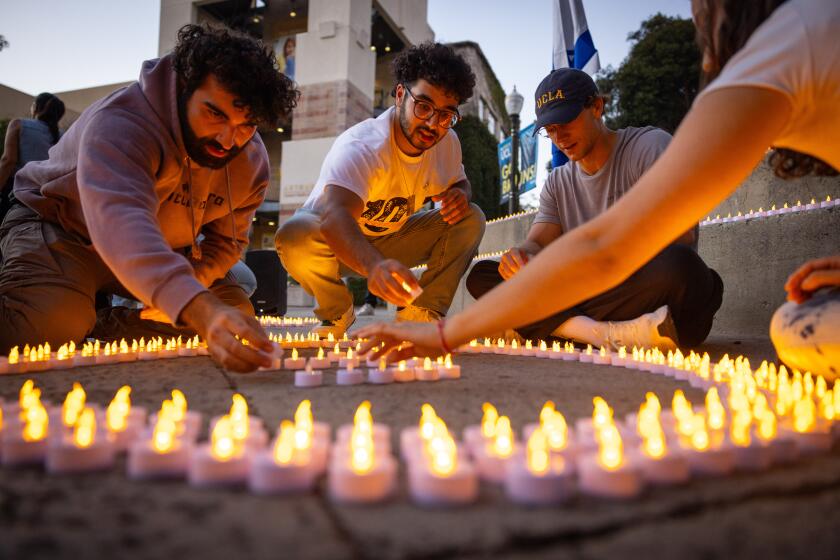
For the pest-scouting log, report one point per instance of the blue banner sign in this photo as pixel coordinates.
(527, 162)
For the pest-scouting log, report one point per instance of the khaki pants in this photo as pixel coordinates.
(424, 239)
(48, 284)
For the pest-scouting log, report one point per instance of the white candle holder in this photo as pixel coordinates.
(491, 467)
(64, 457)
(82, 361)
(381, 438)
(555, 486)
(378, 376)
(348, 363)
(187, 429)
(423, 374)
(349, 377)
(403, 376)
(621, 483)
(319, 363)
(135, 422)
(294, 363)
(816, 441)
(346, 486)
(453, 371)
(671, 468)
(144, 463)
(15, 451)
(432, 490)
(309, 377)
(267, 476)
(754, 457)
(714, 461)
(205, 471)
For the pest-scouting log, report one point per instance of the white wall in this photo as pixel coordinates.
(300, 167)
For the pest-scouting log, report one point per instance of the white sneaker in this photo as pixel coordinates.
(337, 326)
(365, 311)
(418, 314)
(651, 330)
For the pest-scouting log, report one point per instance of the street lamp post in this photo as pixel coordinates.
(513, 104)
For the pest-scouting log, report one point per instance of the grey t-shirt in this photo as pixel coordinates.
(570, 197)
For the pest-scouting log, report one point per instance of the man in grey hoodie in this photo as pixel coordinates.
(124, 195)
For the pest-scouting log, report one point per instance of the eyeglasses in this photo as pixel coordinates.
(424, 111)
(548, 131)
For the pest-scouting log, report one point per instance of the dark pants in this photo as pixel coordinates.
(676, 277)
(49, 279)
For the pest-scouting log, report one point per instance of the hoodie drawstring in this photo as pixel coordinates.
(196, 248)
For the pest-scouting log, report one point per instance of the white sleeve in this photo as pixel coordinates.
(777, 56)
(350, 165)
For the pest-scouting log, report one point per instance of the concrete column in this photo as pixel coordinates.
(335, 71)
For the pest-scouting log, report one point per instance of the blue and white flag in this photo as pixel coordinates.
(573, 48)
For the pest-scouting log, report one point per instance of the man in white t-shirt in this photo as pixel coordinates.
(362, 215)
(674, 297)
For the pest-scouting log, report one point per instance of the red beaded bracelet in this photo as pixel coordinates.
(443, 344)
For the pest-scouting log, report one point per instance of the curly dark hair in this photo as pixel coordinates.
(721, 40)
(242, 64)
(439, 65)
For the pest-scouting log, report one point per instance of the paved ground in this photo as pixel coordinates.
(785, 513)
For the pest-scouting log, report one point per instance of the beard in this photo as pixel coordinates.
(412, 134)
(197, 146)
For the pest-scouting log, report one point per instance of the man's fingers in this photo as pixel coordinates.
(405, 277)
(248, 354)
(251, 330)
(820, 279)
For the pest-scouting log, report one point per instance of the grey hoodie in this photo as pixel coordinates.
(121, 179)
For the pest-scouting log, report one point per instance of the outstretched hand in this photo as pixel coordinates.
(811, 276)
(401, 341)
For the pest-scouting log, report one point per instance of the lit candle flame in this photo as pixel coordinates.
(239, 419)
(222, 443)
(36, 421)
(488, 420)
(303, 425)
(503, 440)
(73, 405)
(610, 448)
(85, 429)
(116, 415)
(284, 449)
(537, 452)
(361, 440)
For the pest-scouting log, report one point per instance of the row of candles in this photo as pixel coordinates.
(43, 358)
(773, 211)
(750, 428)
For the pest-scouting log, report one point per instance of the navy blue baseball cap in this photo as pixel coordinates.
(560, 97)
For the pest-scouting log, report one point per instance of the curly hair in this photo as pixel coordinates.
(721, 40)
(241, 64)
(439, 65)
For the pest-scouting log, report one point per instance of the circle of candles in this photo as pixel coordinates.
(309, 377)
(349, 377)
(427, 372)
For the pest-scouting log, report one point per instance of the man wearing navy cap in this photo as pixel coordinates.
(669, 301)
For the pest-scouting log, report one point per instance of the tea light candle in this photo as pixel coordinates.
(360, 474)
(427, 372)
(188, 349)
(586, 356)
(569, 353)
(528, 349)
(381, 375)
(163, 455)
(514, 349)
(706, 456)
(85, 356)
(350, 361)
(86, 450)
(27, 445)
(608, 473)
(124, 421)
(811, 436)
(63, 358)
(168, 349)
(449, 370)
(402, 373)
(542, 350)
(283, 469)
(309, 377)
(276, 356)
(12, 363)
(653, 458)
(602, 357)
(187, 422)
(476, 436)
(813, 205)
(500, 347)
(345, 342)
(335, 354)
(555, 430)
(247, 431)
(221, 462)
(349, 376)
(492, 457)
(294, 361)
(442, 477)
(319, 361)
(537, 477)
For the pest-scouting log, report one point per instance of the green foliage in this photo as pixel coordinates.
(4, 125)
(481, 164)
(657, 82)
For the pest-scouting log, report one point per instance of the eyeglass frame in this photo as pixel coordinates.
(435, 111)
